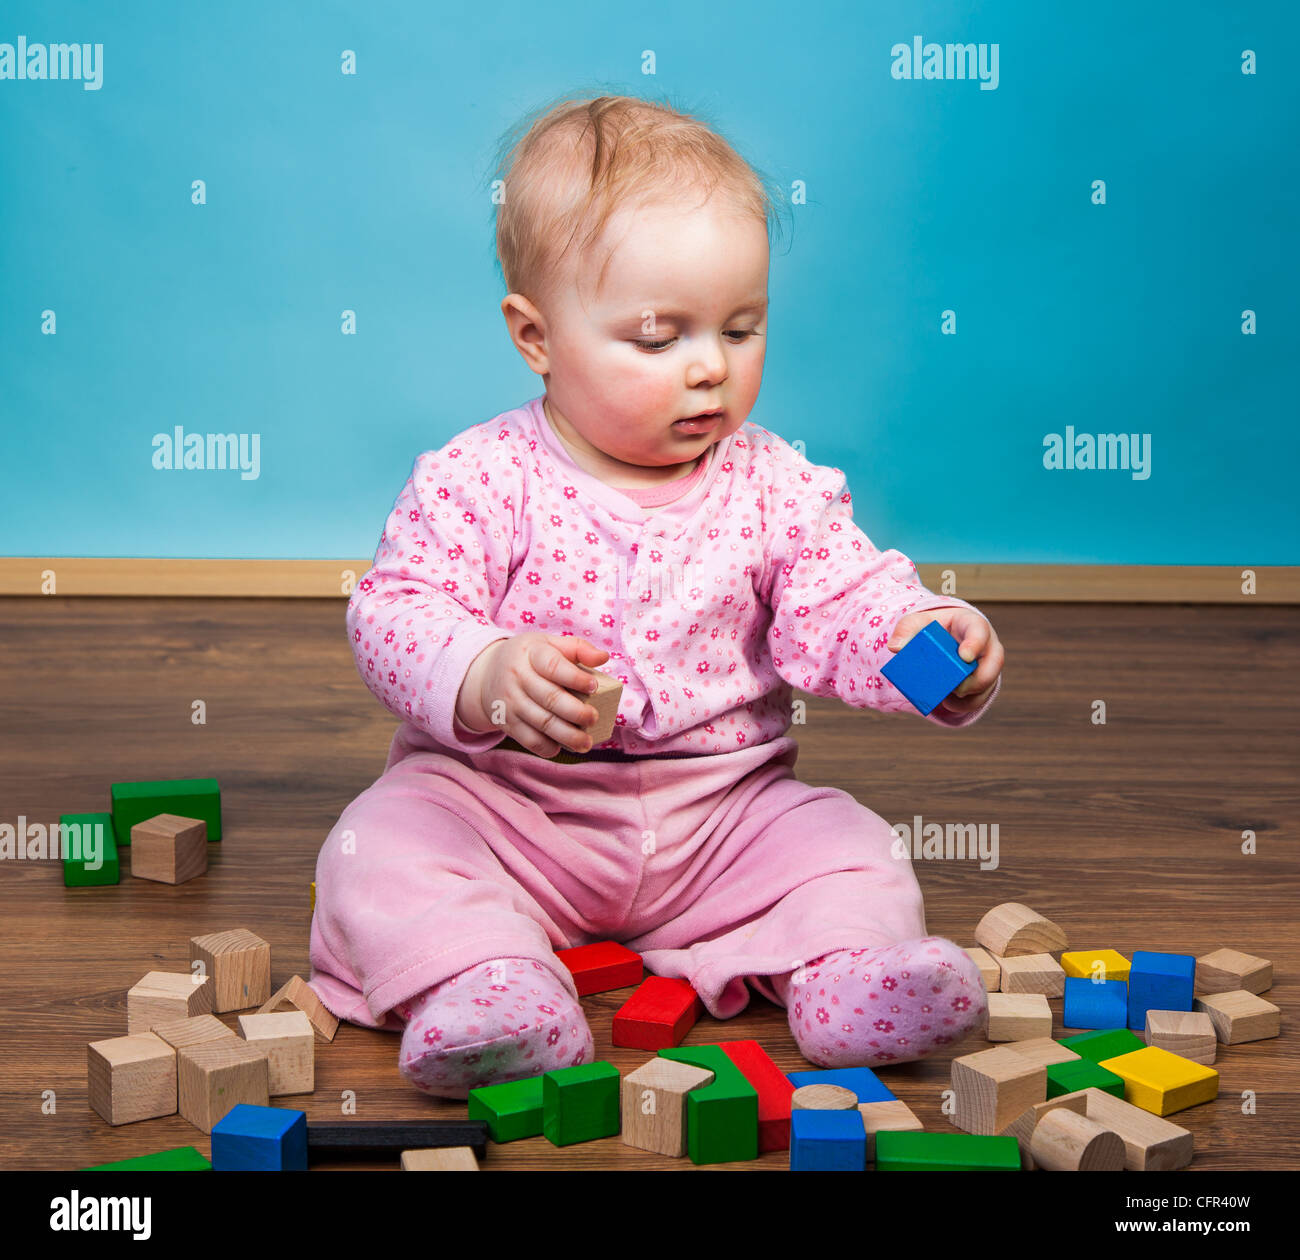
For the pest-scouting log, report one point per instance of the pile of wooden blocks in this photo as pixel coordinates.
(166, 823)
(1097, 1100)
(177, 1056)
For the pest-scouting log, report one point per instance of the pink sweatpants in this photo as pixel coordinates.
(715, 869)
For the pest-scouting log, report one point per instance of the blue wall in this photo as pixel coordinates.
(328, 192)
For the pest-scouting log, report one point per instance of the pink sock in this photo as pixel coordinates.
(889, 1004)
(501, 1020)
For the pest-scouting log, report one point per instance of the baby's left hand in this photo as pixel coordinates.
(976, 640)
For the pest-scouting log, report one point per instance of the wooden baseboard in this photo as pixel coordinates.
(978, 583)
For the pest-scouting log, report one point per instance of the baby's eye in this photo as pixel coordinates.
(655, 346)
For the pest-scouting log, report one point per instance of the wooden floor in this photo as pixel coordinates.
(1128, 834)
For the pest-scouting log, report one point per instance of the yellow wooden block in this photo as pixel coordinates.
(1080, 962)
(1161, 1082)
(313, 894)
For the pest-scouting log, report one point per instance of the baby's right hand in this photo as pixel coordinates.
(524, 683)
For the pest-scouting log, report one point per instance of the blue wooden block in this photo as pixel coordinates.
(861, 1080)
(827, 1141)
(260, 1139)
(928, 668)
(1091, 1005)
(1159, 982)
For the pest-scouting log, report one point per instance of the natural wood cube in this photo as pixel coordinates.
(240, 966)
(1018, 1016)
(298, 995)
(990, 968)
(169, 849)
(604, 700)
(653, 1105)
(190, 1032)
(1226, 970)
(1043, 1050)
(131, 1078)
(165, 996)
(893, 1116)
(993, 1087)
(213, 1076)
(1033, 973)
(1240, 1016)
(440, 1159)
(290, 1045)
(1188, 1033)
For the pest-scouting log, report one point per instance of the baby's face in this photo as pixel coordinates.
(678, 327)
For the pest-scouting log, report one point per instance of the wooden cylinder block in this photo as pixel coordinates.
(823, 1098)
(1064, 1141)
(1011, 930)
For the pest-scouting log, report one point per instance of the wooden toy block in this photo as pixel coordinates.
(945, 1152)
(580, 1104)
(440, 1159)
(990, 967)
(178, 1159)
(193, 1031)
(1022, 1127)
(162, 997)
(131, 1078)
(1190, 1034)
(827, 1141)
(862, 1081)
(1018, 1016)
(1104, 1043)
(1012, 930)
(602, 966)
(1081, 1074)
(190, 798)
(313, 895)
(774, 1090)
(89, 846)
(214, 1076)
(654, 1105)
(1043, 1050)
(290, 1045)
(240, 966)
(298, 995)
(1089, 1004)
(1033, 973)
(658, 1015)
(927, 668)
(260, 1139)
(993, 1087)
(1162, 982)
(1162, 1083)
(387, 1139)
(1228, 969)
(894, 1116)
(1064, 1141)
(169, 849)
(721, 1118)
(1105, 964)
(511, 1110)
(605, 700)
(823, 1098)
(1240, 1016)
(1150, 1144)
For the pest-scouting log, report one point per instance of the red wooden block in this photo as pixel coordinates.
(658, 1015)
(602, 966)
(774, 1091)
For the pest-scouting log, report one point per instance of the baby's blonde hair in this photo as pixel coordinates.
(569, 165)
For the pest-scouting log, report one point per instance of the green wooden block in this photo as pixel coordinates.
(512, 1109)
(190, 798)
(1105, 1043)
(179, 1159)
(1065, 1078)
(721, 1118)
(903, 1151)
(76, 874)
(580, 1103)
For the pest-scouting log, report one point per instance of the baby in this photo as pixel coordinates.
(632, 521)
